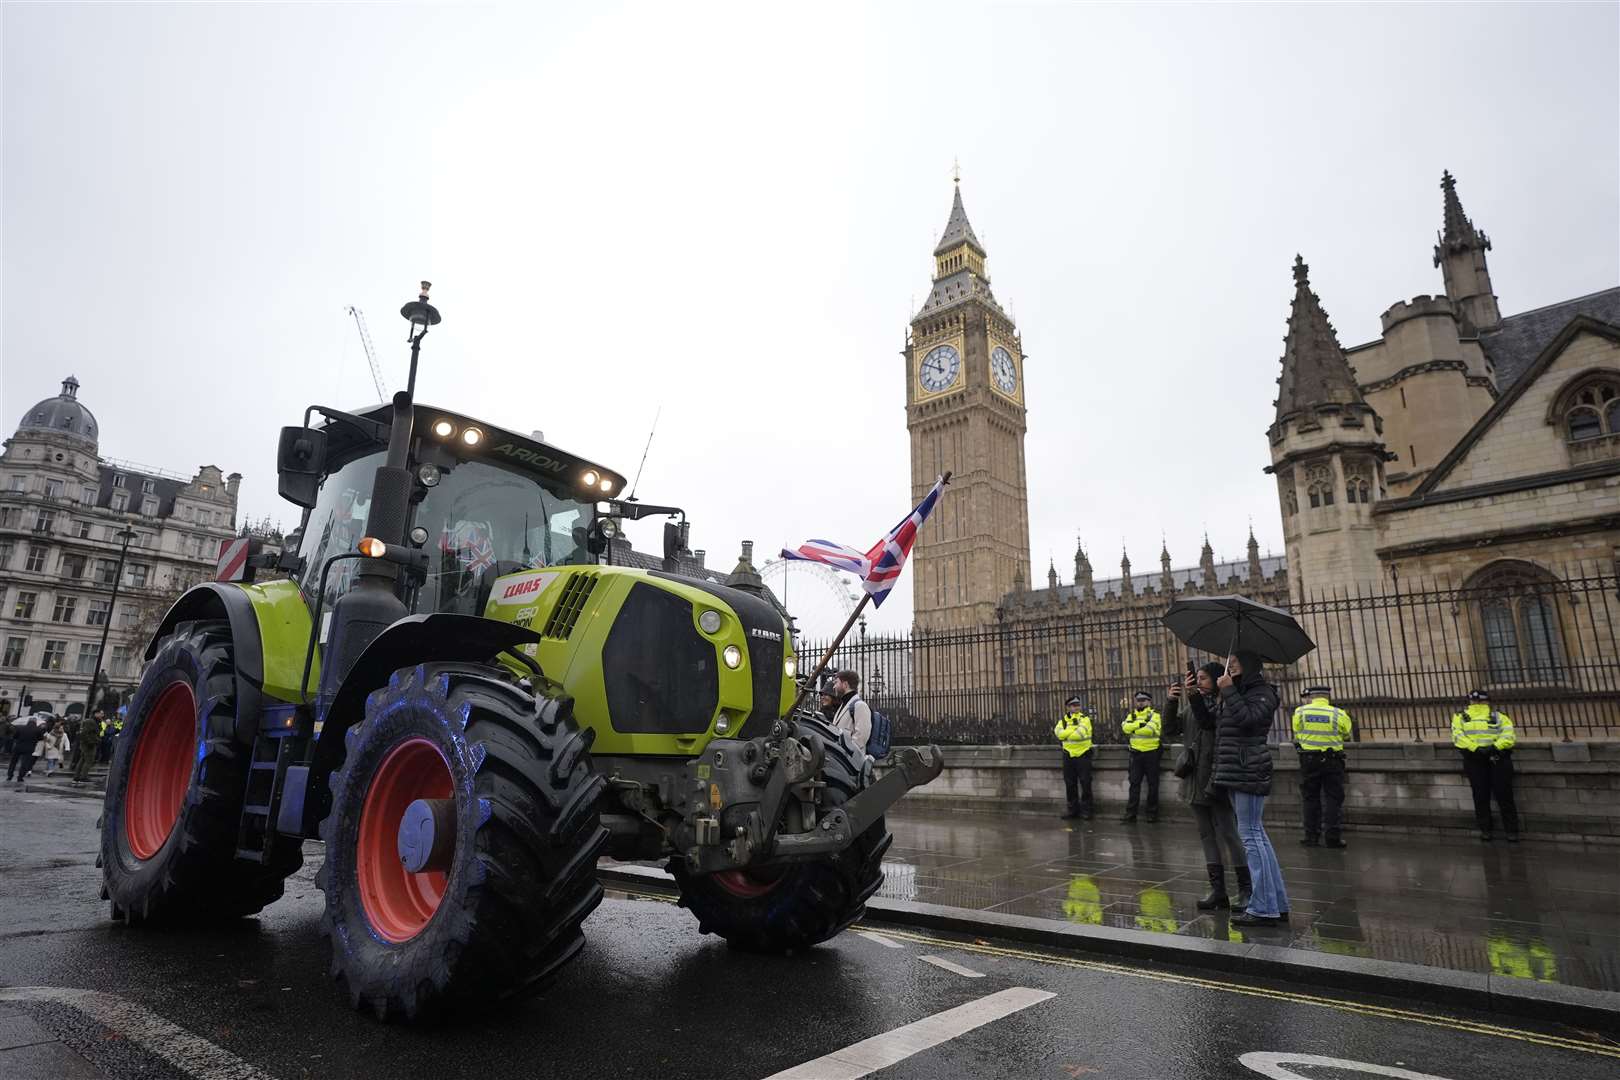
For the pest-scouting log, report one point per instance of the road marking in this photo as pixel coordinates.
(191, 1054)
(941, 962)
(881, 1051)
(1276, 1066)
(889, 943)
(1450, 1023)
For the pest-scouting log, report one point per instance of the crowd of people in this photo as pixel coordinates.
(60, 742)
(1223, 714)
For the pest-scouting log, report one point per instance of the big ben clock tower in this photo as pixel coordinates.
(965, 412)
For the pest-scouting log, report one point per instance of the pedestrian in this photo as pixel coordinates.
(829, 701)
(84, 747)
(1144, 726)
(104, 745)
(23, 747)
(1193, 702)
(57, 744)
(1248, 705)
(854, 716)
(1320, 728)
(1485, 739)
(1073, 731)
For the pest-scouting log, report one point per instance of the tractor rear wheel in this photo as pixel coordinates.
(461, 847)
(778, 909)
(175, 792)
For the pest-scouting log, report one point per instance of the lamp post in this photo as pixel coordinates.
(126, 534)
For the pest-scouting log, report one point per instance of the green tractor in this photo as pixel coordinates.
(453, 692)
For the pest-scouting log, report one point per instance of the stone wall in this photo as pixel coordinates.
(1565, 791)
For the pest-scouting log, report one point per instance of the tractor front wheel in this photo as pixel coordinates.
(778, 909)
(461, 847)
(175, 792)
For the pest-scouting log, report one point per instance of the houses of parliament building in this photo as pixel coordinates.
(1461, 444)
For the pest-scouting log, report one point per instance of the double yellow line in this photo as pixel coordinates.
(1381, 1012)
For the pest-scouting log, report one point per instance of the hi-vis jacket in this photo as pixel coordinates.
(1320, 725)
(1074, 732)
(1144, 727)
(1480, 727)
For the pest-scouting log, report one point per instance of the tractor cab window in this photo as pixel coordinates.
(336, 524)
(483, 522)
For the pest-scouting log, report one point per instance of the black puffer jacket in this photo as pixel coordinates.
(1242, 758)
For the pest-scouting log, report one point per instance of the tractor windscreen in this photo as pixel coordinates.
(481, 522)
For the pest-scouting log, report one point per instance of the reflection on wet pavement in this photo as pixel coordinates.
(1529, 911)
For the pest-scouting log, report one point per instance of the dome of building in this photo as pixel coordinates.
(64, 413)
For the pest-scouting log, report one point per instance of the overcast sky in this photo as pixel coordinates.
(729, 212)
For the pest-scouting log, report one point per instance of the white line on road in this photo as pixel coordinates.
(1277, 1066)
(880, 939)
(941, 962)
(191, 1054)
(881, 1051)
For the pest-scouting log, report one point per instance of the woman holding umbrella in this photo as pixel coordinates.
(1243, 768)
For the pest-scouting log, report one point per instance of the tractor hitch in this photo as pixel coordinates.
(839, 827)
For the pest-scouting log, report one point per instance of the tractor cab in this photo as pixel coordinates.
(483, 502)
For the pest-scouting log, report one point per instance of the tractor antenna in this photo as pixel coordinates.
(371, 354)
(648, 449)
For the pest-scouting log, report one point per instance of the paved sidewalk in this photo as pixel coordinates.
(1548, 912)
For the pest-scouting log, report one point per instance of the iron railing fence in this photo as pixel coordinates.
(1401, 659)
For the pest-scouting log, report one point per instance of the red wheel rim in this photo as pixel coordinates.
(742, 883)
(161, 770)
(398, 903)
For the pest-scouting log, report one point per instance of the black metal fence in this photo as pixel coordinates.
(1401, 660)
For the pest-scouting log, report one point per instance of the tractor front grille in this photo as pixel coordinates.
(560, 625)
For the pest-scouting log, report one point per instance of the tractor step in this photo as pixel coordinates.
(282, 742)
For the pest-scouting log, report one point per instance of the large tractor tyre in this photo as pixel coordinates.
(461, 847)
(801, 904)
(175, 792)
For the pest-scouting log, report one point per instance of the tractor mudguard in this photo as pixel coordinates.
(415, 639)
(223, 600)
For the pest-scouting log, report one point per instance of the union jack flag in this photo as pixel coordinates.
(880, 567)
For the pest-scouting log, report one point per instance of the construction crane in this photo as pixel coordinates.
(371, 354)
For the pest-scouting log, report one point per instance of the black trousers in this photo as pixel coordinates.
(1077, 781)
(1144, 765)
(1321, 782)
(1488, 778)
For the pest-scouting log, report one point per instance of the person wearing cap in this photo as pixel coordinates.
(1485, 739)
(1143, 726)
(829, 701)
(1320, 728)
(1074, 732)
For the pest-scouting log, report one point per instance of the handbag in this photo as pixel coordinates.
(1186, 761)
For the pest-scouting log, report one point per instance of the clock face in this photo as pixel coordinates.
(1003, 369)
(939, 368)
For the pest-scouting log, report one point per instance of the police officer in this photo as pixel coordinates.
(1320, 728)
(1144, 727)
(1074, 732)
(1485, 739)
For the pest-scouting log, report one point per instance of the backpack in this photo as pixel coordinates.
(877, 743)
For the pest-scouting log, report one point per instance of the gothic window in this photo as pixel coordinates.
(1116, 663)
(1518, 613)
(1320, 487)
(1356, 489)
(1589, 408)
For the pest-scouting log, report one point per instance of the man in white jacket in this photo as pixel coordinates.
(854, 715)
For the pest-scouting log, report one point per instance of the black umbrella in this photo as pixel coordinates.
(1228, 624)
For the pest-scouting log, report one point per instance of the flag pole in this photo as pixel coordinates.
(849, 623)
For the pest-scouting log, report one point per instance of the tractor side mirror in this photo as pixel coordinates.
(300, 460)
(672, 541)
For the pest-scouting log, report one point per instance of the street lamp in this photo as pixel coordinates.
(126, 534)
(877, 681)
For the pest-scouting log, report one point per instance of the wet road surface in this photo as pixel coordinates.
(650, 997)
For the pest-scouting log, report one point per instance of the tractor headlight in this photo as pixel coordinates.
(443, 428)
(709, 623)
(472, 436)
(790, 667)
(590, 478)
(429, 475)
(608, 528)
(606, 486)
(419, 536)
(732, 656)
(722, 724)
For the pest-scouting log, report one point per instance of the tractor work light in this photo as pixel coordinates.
(732, 656)
(790, 667)
(609, 528)
(443, 428)
(371, 547)
(709, 621)
(419, 536)
(590, 478)
(429, 475)
(607, 486)
(472, 436)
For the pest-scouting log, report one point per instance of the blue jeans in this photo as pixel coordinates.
(1269, 896)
